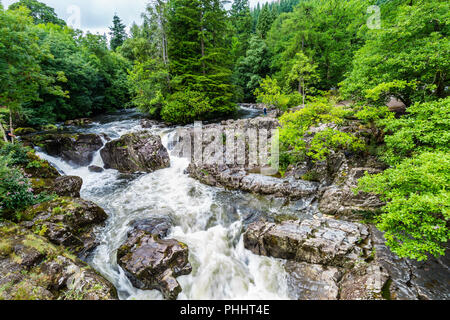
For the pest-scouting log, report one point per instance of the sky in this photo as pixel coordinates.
(96, 15)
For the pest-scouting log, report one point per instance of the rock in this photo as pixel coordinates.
(147, 123)
(136, 152)
(340, 200)
(322, 241)
(156, 226)
(68, 186)
(312, 281)
(151, 263)
(66, 221)
(410, 279)
(78, 122)
(24, 131)
(41, 169)
(76, 148)
(34, 269)
(95, 169)
(364, 282)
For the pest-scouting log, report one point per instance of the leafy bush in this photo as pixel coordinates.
(16, 152)
(295, 125)
(187, 107)
(15, 190)
(426, 127)
(332, 139)
(416, 217)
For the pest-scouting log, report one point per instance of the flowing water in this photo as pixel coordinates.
(209, 220)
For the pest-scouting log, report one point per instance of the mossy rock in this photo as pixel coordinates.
(34, 269)
(23, 131)
(66, 221)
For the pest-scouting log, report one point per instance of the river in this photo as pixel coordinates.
(209, 220)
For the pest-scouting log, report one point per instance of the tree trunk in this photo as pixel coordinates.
(11, 128)
(3, 132)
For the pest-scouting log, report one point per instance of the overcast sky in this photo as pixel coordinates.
(96, 15)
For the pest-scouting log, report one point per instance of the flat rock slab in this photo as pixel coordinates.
(319, 241)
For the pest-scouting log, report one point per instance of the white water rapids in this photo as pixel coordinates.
(209, 220)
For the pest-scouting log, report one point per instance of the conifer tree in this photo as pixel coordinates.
(118, 33)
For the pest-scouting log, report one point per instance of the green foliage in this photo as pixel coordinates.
(270, 94)
(187, 107)
(407, 57)
(15, 190)
(40, 12)
(415, 218)
(16, 153)
(426, 127)
(293, 147)
(252, 68)
(327, 32)
(331, 139)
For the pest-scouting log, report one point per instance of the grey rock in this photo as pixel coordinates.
(151, 263)
(136, 152)
(96, 169)
(312, 281)
(319, 241)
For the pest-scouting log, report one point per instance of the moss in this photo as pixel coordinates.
(311, 176)
(23, 131)
(39, 244)
(6, 247)
(386, 290)
(284, 217)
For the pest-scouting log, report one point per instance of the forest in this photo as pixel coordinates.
(195, 60)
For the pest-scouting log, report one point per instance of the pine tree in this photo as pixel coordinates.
(118, 33)
(265, 20)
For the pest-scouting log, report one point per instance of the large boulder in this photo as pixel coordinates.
(34, 269)
(152, 263)
(69, 222)
(76, 148)
(136, 152)
(322, 241)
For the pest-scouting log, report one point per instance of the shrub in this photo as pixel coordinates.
(187, 107)
(295, 125)
(416, 217)
(426, 127)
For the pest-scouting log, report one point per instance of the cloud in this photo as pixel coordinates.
(96, 15)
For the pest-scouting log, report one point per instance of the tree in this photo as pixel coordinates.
(407, 58)
(118, 33)
(199, 48)
(328, 32)
(270, 94)
(303, 72)
(265, 20)
(21, 75)
(252, 68)
(40, 12)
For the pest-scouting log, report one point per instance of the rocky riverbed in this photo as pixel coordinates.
(158, 226)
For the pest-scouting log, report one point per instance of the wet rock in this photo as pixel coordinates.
(95, 169)
(151, 263)
(66, 221)
(156, 226)
(136, 152)
(410, 279)
(78, 122)
(312, 281)
(147, 123)
(340, 200)
(76, 148)
(34, 269)
(322, 241)
(68, 186)
(41, 169)
(364, 282)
